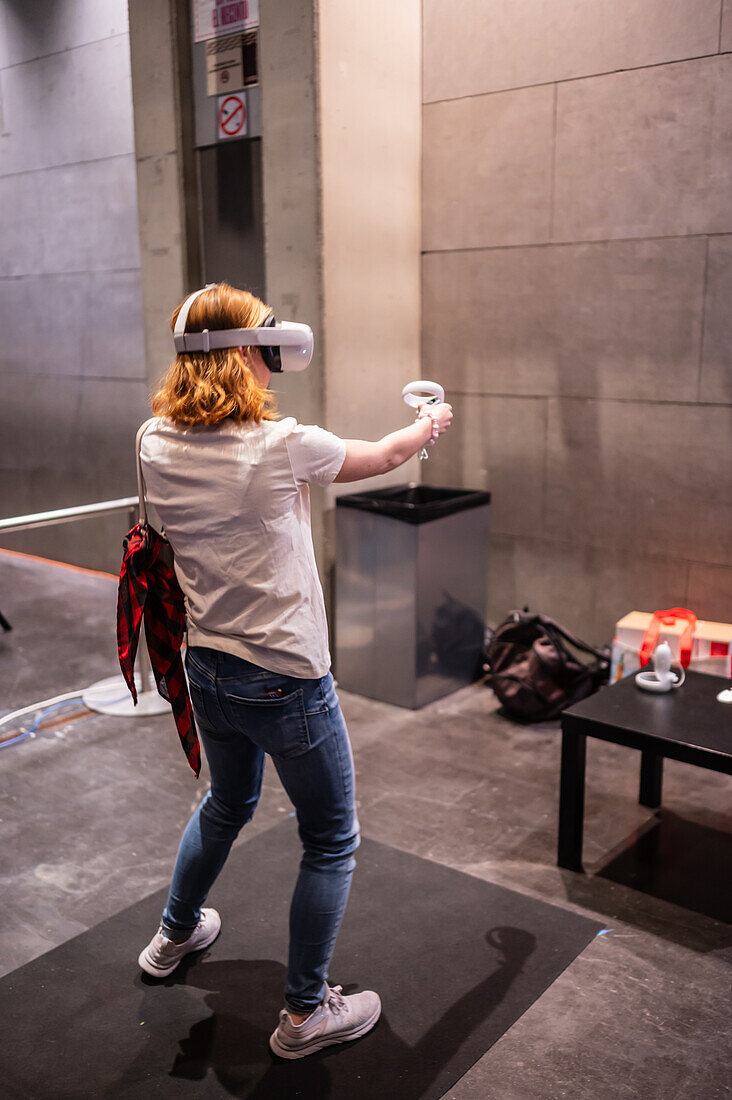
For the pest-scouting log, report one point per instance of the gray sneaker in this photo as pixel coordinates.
(337, 1019)
(161, 956)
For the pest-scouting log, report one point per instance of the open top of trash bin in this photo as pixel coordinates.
(415, 503)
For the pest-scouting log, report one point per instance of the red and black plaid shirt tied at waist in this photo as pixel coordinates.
(149, 587)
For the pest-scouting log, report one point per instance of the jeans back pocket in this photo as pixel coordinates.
(277, 724)
(201, 712)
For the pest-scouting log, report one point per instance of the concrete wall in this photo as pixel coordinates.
(577, 274)
(72, 358)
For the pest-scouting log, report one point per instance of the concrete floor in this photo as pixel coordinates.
(644, 1011)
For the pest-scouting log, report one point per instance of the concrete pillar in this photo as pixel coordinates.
(341, 151)
(370, 118)
(166, 178)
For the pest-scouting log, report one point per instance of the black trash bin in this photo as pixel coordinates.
(411, 581)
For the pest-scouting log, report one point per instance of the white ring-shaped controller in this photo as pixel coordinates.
(649, 681)
(423, 393)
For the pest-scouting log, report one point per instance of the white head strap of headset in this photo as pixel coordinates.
(180, 321)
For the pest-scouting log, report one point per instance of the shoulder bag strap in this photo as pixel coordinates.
(572, 639)
(140, 480)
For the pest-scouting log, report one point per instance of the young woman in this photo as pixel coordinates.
(230, 483)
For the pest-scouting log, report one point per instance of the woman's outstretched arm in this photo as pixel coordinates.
(364, 459)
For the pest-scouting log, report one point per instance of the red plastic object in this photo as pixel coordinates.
(668, 618)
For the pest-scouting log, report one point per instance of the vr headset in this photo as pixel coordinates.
(285, 345)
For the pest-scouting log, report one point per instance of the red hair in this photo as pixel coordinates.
(206, 388)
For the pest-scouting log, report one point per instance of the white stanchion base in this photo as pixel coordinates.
(112, 696)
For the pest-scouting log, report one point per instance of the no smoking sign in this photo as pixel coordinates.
(232, 110)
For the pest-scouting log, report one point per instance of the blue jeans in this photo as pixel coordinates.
(242, 712)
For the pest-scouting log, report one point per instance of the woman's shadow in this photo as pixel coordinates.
(233, 1041)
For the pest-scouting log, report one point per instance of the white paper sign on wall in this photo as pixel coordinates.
(224, 65)
(232, 115)
(215, 17)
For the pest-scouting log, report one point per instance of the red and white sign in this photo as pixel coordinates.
(216, 17)
(232, 115)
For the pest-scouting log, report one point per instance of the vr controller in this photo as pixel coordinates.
(663, 678)
(423, 392)
(285, 345)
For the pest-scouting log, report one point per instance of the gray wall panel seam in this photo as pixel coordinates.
(572, 244)
(69, 164)
(595, 398)
(721, 20)
(687, 580)
(158, 156)
(68, 49)
(705, 290)
(553, 176)
(29, 373)
(72, 271)
(575, 79)
(545, 540)
(421, 53)
(82, 271)
(544, 462)
(604, 547)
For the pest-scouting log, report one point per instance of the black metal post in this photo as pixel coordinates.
(651, 779)
(571, 800)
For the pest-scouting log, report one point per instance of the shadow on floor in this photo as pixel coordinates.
(681, 862)
(232, 1041)
(669, 859)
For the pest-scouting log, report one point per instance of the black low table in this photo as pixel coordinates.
(687, 724)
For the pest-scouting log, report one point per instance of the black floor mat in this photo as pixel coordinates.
(455, 959)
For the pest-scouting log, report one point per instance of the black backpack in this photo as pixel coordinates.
(533, 673)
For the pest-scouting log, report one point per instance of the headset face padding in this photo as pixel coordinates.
(270, 352)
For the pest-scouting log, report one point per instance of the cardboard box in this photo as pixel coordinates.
(711, 649)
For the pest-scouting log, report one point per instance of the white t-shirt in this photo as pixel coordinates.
(235, 504)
